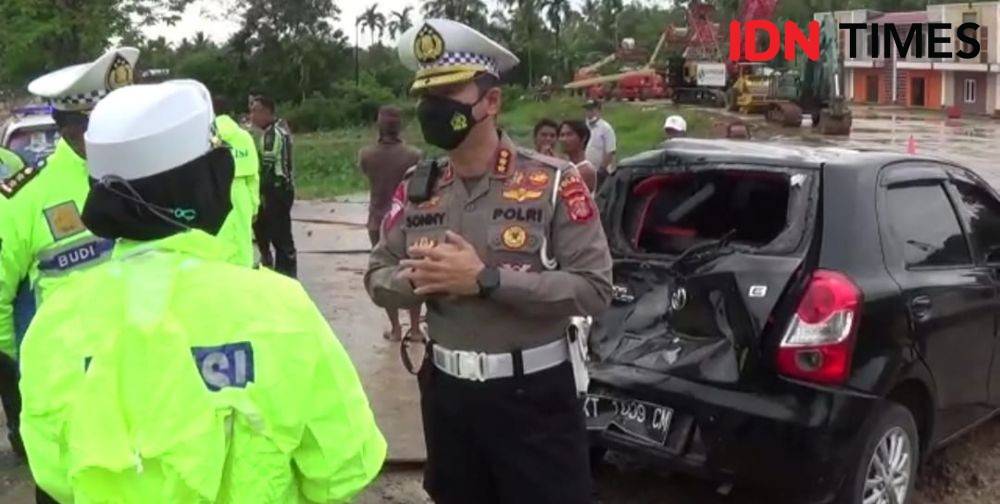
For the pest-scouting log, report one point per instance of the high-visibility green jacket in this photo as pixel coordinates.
(10, 162)
(167, 375)
(245, 194)
(43, 241)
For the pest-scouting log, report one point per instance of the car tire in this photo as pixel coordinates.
(892, 428)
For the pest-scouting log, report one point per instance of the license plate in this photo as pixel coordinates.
(646, 421)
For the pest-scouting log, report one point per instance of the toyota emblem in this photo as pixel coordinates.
(679, 299)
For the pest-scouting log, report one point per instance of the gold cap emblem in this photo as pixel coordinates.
(119, 74)
(428, 47)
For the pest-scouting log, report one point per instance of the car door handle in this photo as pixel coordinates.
(920, 307)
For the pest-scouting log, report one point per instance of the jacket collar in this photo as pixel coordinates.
(195, 243)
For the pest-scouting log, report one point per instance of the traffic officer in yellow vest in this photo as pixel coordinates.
(245, 193)
(42, 240)
(180, 377)
(273, 228)
(504, 246)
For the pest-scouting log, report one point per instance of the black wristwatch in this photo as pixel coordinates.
(488, 281)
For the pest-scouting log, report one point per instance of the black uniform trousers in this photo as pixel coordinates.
(518, 440)
(273, 228)
(11, 399)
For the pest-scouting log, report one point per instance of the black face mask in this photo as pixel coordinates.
(446, 122)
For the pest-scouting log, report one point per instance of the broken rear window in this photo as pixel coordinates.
(761, 209)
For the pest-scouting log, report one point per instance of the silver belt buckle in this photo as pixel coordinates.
(470, 365)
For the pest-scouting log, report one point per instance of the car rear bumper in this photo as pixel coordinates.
(785, 437)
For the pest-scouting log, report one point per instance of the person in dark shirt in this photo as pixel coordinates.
(385, 163)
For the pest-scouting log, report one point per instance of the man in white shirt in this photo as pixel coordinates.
(603, 144)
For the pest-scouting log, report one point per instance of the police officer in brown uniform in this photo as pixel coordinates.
(504, 246)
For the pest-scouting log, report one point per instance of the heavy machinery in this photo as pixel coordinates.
(697, 76)
(637, 80)
(813, 88)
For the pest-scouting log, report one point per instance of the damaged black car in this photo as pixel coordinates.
(806, 321)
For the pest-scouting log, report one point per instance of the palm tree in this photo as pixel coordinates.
(400, 21)
(557, 12)
(470, 12)
(372, 20)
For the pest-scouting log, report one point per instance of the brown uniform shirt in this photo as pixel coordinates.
(508, 216)
(385, 164)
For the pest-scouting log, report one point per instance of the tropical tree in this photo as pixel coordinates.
(557, 12)
(400, 21)
(470, 12)
(373, 21)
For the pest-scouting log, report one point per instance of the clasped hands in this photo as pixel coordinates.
(450, 268)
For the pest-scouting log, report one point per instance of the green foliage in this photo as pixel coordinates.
(37, 36)
(345, 106)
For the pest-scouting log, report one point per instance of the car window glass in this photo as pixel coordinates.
(923, 220)
(984, 220)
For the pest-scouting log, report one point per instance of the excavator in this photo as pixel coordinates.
(815, 89)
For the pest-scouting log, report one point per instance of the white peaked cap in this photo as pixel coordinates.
(443, 52)
(144, 130)
(675, 122)
(79, 87)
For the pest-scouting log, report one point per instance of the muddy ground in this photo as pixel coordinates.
(332, 242)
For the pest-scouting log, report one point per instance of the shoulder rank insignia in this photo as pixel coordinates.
(15, 182)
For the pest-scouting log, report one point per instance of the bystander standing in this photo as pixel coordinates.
(573, 137)
(546, 132)
(603, 144)
(385, 164)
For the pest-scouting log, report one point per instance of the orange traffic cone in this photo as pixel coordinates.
(911, 146)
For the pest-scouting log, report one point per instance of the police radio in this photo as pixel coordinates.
(420, 188)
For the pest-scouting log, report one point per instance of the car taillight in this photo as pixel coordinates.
(819, 341)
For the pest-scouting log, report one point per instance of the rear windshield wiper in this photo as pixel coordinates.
(706, 250)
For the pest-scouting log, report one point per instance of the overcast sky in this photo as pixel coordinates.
(214, 17)
(210, 16)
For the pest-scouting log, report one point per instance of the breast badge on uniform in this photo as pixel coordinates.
(514, 237)
(64, 220)
(574, 193)
(430, 204)
(425, 242)
(519, 188)
(538, 178)
(428, 46)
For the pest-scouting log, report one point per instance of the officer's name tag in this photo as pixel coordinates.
(75, 255)
(224, 366)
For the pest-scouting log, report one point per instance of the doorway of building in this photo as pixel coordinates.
(871, 88)
(917, 92)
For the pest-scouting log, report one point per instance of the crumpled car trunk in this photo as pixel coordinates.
(704, 324)
(698, 329)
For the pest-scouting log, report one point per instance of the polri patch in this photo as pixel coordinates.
(64, 220)
(229, 365)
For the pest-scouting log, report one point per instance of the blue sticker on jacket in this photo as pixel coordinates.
(75, 255)
(229, 365)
